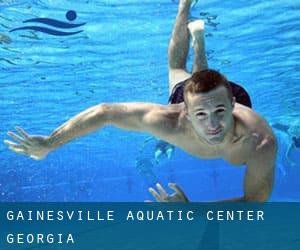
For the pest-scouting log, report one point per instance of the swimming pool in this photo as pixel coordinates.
(121, 55)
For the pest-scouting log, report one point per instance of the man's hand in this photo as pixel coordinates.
(33, 146)
(163, 196)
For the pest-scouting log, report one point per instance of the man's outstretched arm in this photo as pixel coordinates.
(288, 154)
(258, 180)
(146, 117)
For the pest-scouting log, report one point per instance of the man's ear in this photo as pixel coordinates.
(233, 101)
(187, 116)
(186, 113)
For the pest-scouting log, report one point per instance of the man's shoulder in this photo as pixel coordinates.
(167, 115)
(165, 122)
(170, 111)
(255, 133)
(252, 124)
(249, 119)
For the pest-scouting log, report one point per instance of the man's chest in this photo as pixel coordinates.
(236, 153)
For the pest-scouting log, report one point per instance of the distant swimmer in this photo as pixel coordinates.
(146, 161)
(145, 169)
(293, 131)
(161, 149)
(4, 39)
(208, 117)
(283, 142)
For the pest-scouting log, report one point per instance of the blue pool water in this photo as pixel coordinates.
(121, 55)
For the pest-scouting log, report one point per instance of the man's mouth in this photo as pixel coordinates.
(215, 131)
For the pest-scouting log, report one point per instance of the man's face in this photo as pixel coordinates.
(210, 114)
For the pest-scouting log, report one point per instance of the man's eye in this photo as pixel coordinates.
(201, 114)
(219, 111)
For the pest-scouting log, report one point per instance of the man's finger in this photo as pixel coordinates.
(177, 189)
(23, 133)
(15, 147)
(11, 145)
(18, 150)
(162, 192)
(35, 157)
(16, 137)
(155, 194)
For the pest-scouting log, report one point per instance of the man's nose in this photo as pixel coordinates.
(213, 123)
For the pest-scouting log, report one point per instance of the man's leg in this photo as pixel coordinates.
(196, 29)
(179, 46)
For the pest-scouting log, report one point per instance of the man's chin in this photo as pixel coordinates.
(214, 140)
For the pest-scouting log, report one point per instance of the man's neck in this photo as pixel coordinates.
(231, 134)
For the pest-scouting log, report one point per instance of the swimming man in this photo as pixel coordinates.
(292, 130)
(210, 118)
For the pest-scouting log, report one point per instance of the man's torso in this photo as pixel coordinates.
(249, 130)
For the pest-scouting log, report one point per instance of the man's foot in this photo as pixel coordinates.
(157, 155)
(196, 29)
(170, 152)
(185, 3)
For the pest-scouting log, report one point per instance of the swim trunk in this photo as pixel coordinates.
(296, 141)
(163, 146)
(240, 94)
